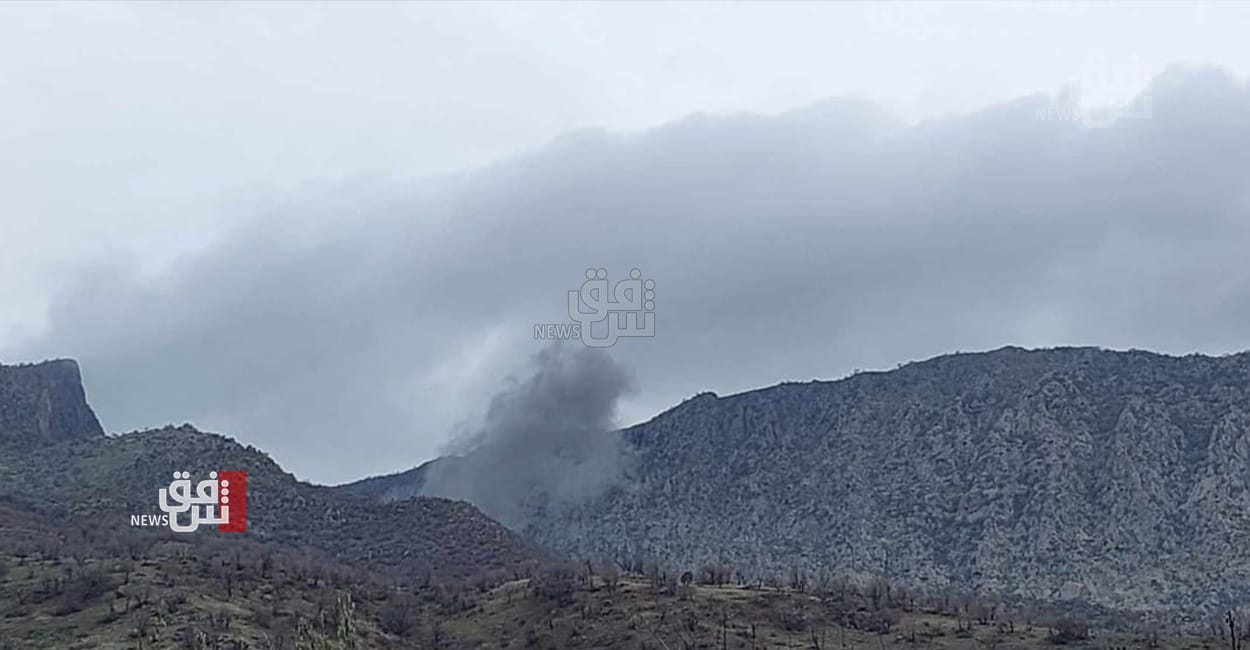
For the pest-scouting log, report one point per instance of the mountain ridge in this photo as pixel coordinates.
(391, 485)
(1117, 477)
(115, 477)
(55, 459)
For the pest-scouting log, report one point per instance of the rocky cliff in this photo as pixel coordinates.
(44, 402)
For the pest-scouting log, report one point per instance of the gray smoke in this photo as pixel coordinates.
(546, 442)
(794, 246)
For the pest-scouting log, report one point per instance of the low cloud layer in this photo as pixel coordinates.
(351, 328)
(545, 440)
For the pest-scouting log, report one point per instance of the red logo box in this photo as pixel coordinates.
(232, 494)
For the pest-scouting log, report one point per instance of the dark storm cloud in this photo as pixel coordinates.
(352, 332)
(546, 438)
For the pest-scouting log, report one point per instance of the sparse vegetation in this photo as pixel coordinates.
(328, 570)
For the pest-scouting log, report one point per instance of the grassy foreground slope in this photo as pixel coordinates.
(182, 595)
(633, 612)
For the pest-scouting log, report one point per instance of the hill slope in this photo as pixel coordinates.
(116, 477)
(56, 461)
(174, 591)
(1119, 478)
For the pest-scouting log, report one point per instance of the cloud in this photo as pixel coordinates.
(545, 439)
(359, 324)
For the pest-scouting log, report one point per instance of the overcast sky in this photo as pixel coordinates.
(328, 229)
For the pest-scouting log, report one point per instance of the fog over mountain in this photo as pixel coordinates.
(362, 323)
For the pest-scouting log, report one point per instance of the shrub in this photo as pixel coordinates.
(398, 616)
(555, 584)
(1068, 631)
(81, 590)
(611, 577)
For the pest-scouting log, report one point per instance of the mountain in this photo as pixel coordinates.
(118, 476)
(1114, 478)
(44, 402)
(316, 567)
(394, 487)
(61, 465)
(943, 442)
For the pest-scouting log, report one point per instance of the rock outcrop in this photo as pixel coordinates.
(44, 402)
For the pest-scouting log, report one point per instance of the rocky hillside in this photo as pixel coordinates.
(1118, 478)
(115, 477)
(57, 463)
(393, 487)
(88, 586)
(43, 403)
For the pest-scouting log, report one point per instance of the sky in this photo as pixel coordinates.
(328, 230)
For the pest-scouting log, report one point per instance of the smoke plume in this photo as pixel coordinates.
(546, 441)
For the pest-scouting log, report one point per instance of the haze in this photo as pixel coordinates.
(328, 229)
